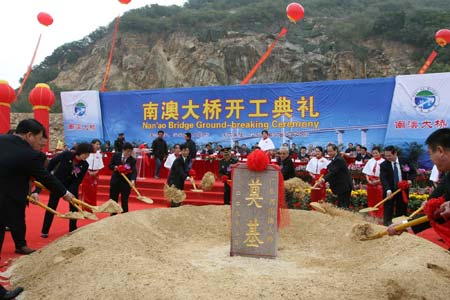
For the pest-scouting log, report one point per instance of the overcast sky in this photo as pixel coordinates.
(73, 20)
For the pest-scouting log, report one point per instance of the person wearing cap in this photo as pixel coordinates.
(225, 166)
(118, 143)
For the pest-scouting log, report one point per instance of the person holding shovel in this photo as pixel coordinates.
(21, 159)
(179, 171)
(438, 144)
(122, 162)
(69, 167)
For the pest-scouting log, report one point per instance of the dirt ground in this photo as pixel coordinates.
(183, 253)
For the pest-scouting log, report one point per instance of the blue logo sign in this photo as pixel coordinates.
(79, 109)
(425, 100)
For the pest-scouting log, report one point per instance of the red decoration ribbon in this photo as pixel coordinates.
(428, 62)
(404, 185)
(433, 211)
(252, 72)
(108, 66)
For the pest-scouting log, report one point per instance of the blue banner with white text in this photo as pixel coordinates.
(315, 113)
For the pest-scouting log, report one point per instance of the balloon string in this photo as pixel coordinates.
(429, 61)
(25, 78)
(108, 66)
(252, 72)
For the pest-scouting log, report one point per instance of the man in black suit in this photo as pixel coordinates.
(179, 171)
(338, 176)
(21, 159)
(122, 162)
(393, 170)
(439, 150)
(191, 145)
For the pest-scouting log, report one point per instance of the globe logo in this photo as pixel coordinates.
(425, 101)
(79, 109)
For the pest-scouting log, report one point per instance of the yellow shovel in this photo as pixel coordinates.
(404, 218)
(109, 206)
(195, 187)
(69, 215)
(399, 227)
(86, 214)
(139, 196)
(368, 209)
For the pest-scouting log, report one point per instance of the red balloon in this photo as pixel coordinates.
(45, 19)
(7, 93)
(41, 95)
(442, 37)
(124, 1)
(295, 12)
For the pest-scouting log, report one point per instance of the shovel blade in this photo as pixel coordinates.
(368, 209)
(145, 199)
(109, 206)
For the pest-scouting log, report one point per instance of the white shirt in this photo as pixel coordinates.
(169, 161)
(372, 167)
(399, 169)
(315, 165)
(266, 144)
(434, 176)
(95, 161)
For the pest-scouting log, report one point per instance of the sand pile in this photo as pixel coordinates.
(183, 253)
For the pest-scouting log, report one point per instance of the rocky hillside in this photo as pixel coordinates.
(183, 61)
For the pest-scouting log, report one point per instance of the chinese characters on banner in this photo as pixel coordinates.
(254, 212)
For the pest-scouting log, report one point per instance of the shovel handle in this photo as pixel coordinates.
(387, 198)
(193, 183)
(416, 212)
(51, 210)
(414, 222)
(40, 185)
(77, 201)
(317, 182)
(131, 185)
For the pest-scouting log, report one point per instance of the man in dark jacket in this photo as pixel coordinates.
(191, 145)
(338, 176)
(225, 170)
(159, 151)
(21, 159)
(69, 167)
(393, 170)
(179, 171)
(118, 184)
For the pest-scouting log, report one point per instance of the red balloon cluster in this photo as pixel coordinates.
(124, 1)
(41, 95)
(45, 19)
(295, 12)
(7, 93)
(442, 37)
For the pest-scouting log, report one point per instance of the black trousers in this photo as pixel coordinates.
(344, 199)
(48, 218)
(12, 214)
(122, 188)
(2, 291)
(226, 194)
(394, 208)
